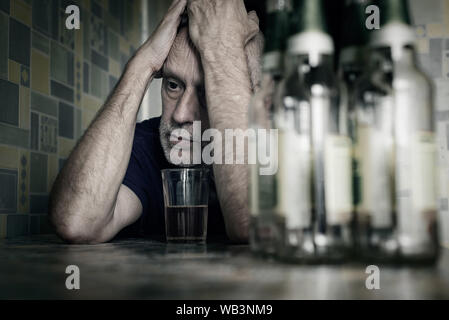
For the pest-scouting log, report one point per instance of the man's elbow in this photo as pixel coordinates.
(239, 235)
(70, 230)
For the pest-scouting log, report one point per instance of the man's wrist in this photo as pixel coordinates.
(219, 51)
(140, 69)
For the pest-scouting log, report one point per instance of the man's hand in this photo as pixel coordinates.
(153, 53)
(225, 36)
(218, 24)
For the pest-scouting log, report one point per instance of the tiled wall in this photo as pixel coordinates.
(431, 19)
(52, 82)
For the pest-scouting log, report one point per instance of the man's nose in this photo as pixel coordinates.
(187, 108)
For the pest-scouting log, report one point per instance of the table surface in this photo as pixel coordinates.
(34, 268)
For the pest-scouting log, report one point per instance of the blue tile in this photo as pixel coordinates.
(100, 61)
(8, 191)
(99, 82)
(4, 5)
(34, 224)
(38, 172)
(38, 204)
(86, 78)
(34, 131)
(61, 91)
(96, 9)
(9, 94)
(112, 82)
(45, 225)
(116, 8)
(61, 163)
(113, 43)
(17, 225)
(86, 34)
(66, 121)
(19, 50)
(44, 104)
(4, 36)
(14, 136)
(78, 124)
(45, 17)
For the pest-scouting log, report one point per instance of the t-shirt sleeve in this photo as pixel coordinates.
(136, 175)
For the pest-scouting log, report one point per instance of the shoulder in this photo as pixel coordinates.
(148, 127)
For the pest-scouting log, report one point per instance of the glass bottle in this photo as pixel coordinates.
(414, 161)
(314, 147)
(265, 226)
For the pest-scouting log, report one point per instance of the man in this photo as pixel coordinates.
(111, 181)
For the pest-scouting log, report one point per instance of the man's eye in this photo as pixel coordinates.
(172, 85)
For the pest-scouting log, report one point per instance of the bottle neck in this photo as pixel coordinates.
(276, 32)
(407, 57)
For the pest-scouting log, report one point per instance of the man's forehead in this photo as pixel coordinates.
(183, 61)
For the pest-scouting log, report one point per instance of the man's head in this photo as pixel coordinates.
(183, 95)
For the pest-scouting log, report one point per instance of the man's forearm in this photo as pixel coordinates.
(83, 196)
(228, 93)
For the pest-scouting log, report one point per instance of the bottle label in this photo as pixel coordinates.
(294, 189)
(374, 154)
(337, 173)
(416, 187)
(262, 189)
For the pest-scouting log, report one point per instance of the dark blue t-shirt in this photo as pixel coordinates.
(143, 177)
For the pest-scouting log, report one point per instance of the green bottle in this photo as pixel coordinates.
(264, 226)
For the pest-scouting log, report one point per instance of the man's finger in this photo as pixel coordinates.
(176, 8)
(252, 15)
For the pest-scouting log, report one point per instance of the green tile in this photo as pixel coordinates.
(78, 124)
(8, 191)
(5, 5)
(38, 174)
(61, 64)
(34, 224)
(14, 136)
(66, 121)
(45, 225)
(61, 91)
(45, 17)
(17, 225)
(4, 36)
(34, 131)
(19, 50)
(99, 82)
(114, 49)
(38, 203)
(9, 94)
(40, 42)
(44, 104)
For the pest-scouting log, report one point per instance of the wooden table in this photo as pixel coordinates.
(34, 268)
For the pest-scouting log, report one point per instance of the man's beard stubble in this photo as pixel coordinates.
(165, 131)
